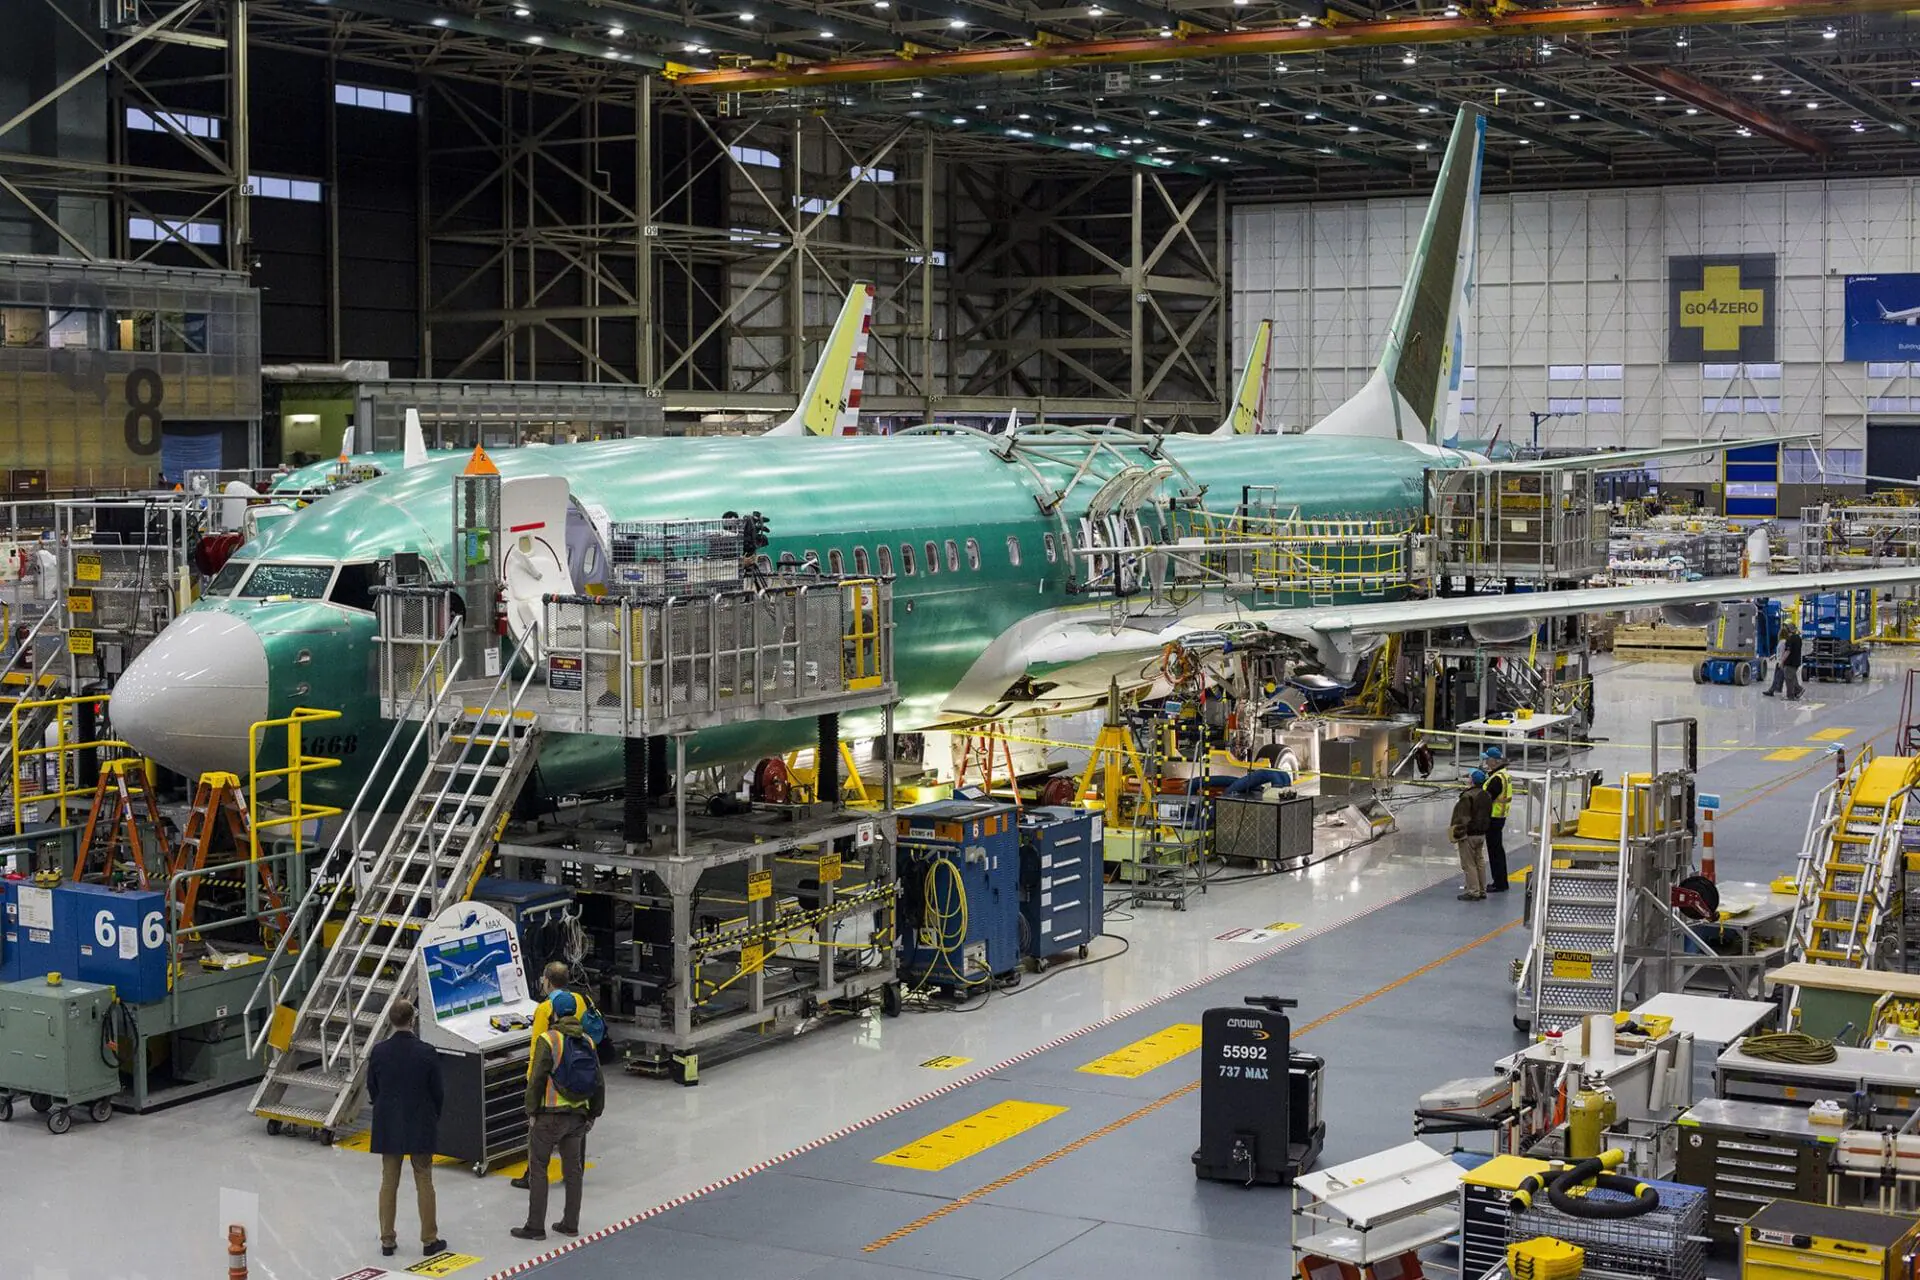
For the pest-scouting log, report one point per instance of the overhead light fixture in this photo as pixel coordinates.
(979, 106)
(1693, 111)
(1266, 104)
(1829, 34)
(1426, 111)
(1812, 105)
(1203, 122)
(1539, 102)
(440, 22)
(1573, 115)
(1379, 97)
(826, 35)
(1095, 11)
(918, 94)
(1246, 133)
(1313, 115)
(1154, 76)
(1408, 59)
(689, 48)
(1025, 116)
(1681, 43)
(1659, 97)
(883, 4)
(1304, 22)
(746, 16)
(956, 23)
(536, 39)
(616, 31)
(1419, 146)
(1152, 111)
(1526, 142)
(1453, 11)
(959, 119)
(1353, 128)
(1786, 93)
(1756, 77)
(523, 12)
(1164, 150)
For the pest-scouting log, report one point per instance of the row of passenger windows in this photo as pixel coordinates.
(930, 559)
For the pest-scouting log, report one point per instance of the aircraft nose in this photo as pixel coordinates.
(190, 698)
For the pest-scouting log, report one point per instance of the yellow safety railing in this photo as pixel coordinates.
(1322, 557)
(59, 792)
(298, 765)
(861, 643)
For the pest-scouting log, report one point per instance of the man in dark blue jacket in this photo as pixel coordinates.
(403, 1080)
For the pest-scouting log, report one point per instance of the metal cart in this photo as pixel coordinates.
(53, 1051)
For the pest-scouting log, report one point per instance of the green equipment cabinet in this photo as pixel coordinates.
(51, 1050)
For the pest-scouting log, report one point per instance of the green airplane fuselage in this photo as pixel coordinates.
(849, 496)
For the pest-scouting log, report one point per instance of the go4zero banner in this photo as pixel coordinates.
(1720, 308)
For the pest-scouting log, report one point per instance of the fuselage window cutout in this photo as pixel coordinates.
(933, 557)
(1013, 550)
(788, 560)
(953, 556)
(1047, 542)
(906, 559)
(860, 561)
(973, 554)
(836, 563)
(886, 560)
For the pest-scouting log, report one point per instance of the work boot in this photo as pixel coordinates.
(527, 1233)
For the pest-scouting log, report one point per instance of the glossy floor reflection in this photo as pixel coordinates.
(140, 1198)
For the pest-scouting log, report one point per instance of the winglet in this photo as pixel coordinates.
(414, 444)
(1250, 399)
(831, 405)
(1414, 393)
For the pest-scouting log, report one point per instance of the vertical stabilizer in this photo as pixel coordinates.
(1250, 397)
(1414, 393)
(831, 405)
(413, 444)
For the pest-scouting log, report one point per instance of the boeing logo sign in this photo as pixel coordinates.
(1883, 318)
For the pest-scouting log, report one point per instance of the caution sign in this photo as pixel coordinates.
(945, 1062)
(753, 956)
(80, 643)
(830, 868)
(442, 1264)
(759, 885)
(86, 568)
(80, 602)
(1575, 966)
(566, 672)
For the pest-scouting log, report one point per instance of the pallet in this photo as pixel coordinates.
(1660, 644)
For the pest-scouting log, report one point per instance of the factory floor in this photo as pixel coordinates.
(769, 1164)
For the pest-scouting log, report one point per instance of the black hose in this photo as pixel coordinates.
(1642, 1198)
(120, 1028)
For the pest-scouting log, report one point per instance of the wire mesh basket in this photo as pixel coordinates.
(1668, 1243)
(675, 557)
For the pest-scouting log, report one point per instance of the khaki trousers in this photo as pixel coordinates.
(422, 1193)
(1473, 851)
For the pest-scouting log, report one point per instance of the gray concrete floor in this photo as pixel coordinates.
(140, 1199)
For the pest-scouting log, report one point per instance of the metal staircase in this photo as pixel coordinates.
(1579, 944)
(477, 757)
(29, 679)
(1852, 863)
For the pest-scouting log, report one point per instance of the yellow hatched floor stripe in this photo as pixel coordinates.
(1142, 1056)
(1831, 735)
(944, 1148)
(1785, 754)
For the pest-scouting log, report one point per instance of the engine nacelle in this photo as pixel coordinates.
(1503, 630)
(1697, 613)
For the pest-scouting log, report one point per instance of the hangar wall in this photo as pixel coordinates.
(1571, 313)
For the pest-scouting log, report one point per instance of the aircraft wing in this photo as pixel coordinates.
(1620, 459)
(1071, 661)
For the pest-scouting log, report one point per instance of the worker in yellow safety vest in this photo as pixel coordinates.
(1499, 788)
(555, 979)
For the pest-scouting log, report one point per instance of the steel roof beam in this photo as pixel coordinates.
(1549, 92)
(1001, 129)
(1846, 95)
(1557, 20)
(975, 15)
(1708, 98)
(1446, 107)
(436, 18)
(1288, 137)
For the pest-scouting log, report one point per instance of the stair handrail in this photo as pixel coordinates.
(1542, 886)
(342, 833)
(45, 657)
(1887, 847)
(1621, 881)
(521, 657)
(1822, 816)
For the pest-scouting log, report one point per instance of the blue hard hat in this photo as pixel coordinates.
(564, 1005)
(1478, 775)
(1493, 753)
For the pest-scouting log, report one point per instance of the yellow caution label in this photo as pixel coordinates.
(753, 956)
(944, 1148)
(830, 868)
(80, 602)
(1573, 965)
(86, 568)
(945, 1062)
(1150, 1054)
(759, 885)
(1784, 754)
(1283, 926)
(1831, 735)
(442, 1264)
(80, 642)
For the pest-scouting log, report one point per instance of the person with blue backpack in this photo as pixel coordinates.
(565, 1095)
(556, 979)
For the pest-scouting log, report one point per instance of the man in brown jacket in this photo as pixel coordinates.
(1467, 828)
(565, 1094)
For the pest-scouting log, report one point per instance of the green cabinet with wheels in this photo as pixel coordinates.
(53, 1049)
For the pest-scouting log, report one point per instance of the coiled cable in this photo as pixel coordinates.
(1796, 1047)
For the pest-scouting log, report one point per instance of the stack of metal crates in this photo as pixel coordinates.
(1668, 1243)
(657, 558)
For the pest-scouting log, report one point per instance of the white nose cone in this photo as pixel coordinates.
(191, 698)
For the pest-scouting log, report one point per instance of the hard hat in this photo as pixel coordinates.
(1478, 776)
(1493, 753)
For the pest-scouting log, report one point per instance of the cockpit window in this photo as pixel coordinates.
(229, 577)
(354, 587)
(300, 581)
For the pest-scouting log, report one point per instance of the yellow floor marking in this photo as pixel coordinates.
(442, 1264)
(1142, 1056)
(1831, 735)
(363, 1141)
(945, 1062)
(1026, 1170)
(1788, 753)
(944, 1148)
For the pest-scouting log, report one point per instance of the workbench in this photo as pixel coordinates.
(1753, 932)
(1890, 1080)
(1541, 738)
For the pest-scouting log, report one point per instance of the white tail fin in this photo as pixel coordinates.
(413, 447)
(1414, 393)
(831, 405)
(1250, 398)
(1759, 554)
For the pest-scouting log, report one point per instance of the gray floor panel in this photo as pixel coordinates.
(1116, 1252)
(671, 1252)
(981, 1242)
